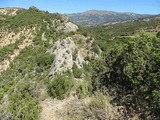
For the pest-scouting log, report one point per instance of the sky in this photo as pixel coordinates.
(74, 6)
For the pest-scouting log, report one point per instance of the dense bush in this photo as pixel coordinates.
(95, 48)
(75, 54)
(77, 72)
(44, 60)
(135, 69)
(23, 105)
(158, 34)
(83, 90)
(60, 86)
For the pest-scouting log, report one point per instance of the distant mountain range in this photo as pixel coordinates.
(94, 17)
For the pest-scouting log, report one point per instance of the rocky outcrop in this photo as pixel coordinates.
(68, 51)
(10, 37)
(4, 41)
(64, 25)
(63, 50)
(70, 27)
(9, 11)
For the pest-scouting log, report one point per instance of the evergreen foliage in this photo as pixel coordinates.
(77, 72)
(60, 86)
(135, 69)
(158, 34)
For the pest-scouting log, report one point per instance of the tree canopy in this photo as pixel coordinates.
(135, 68)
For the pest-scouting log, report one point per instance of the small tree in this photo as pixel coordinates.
(158, 34)
(76, 71)
(60, 87)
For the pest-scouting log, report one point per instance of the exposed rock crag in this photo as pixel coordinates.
(9, 11)
(68, 51)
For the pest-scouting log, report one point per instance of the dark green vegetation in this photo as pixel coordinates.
(132, 65)
(158, 34)
(60, 86)
(135, 70)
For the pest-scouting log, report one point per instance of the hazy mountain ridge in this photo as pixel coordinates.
(94, 17)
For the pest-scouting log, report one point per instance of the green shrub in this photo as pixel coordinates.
(85, 34)
(44, 60)
(68, 34)
(87, 67)
(82, 90)
(95, 49)
(22, 105)
(74, 54)
(79, 42)
(87, 58)
(99, 101)
(60, 86)
(158, 34)
(77, 72)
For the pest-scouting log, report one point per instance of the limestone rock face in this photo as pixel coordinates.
(64, 25)
(70, 27)
(70, 51)
(9, 11)
(63, 51)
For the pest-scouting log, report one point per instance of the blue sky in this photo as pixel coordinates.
(73, 6)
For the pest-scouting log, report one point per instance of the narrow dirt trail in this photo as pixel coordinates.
(53, 109)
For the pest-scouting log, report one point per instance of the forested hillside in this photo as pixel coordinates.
(41, 57)
(53, 69)
(108, 35)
